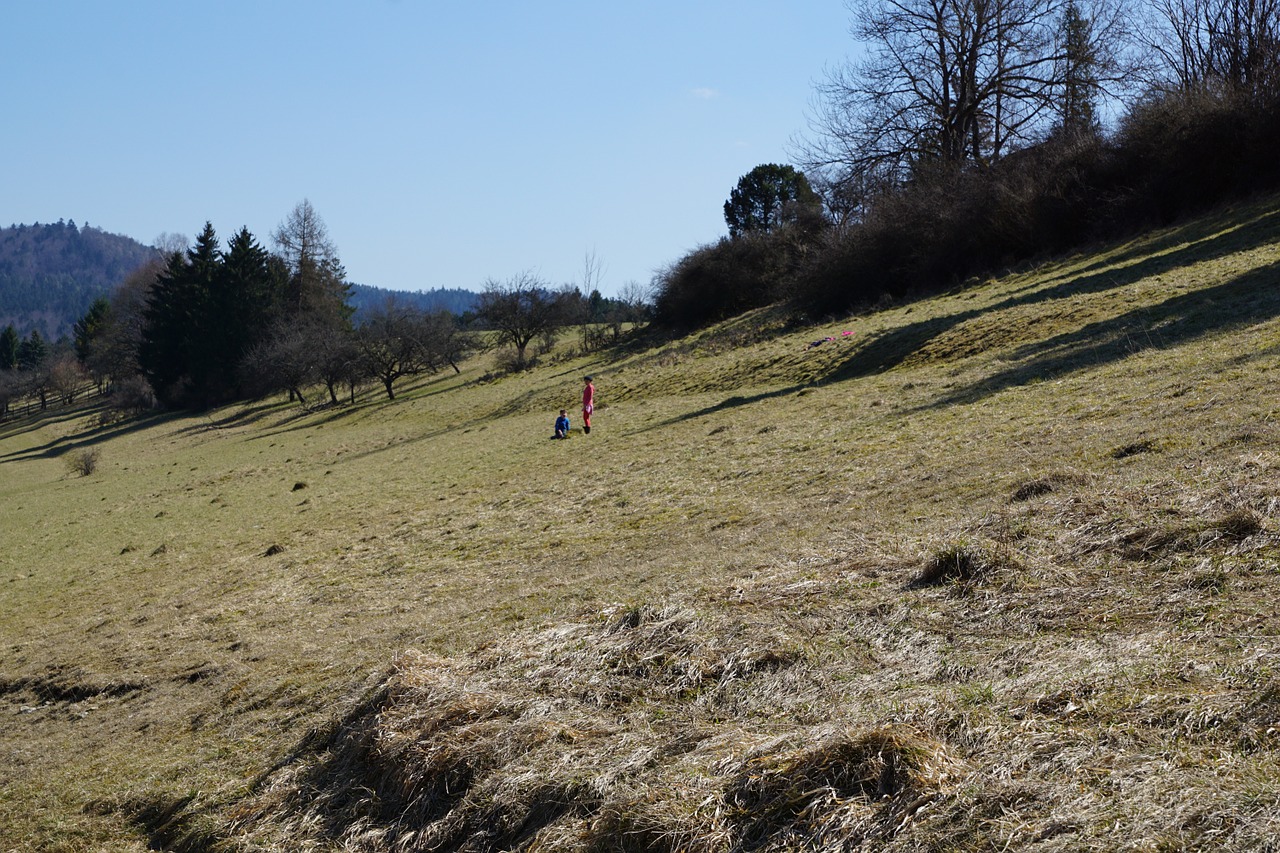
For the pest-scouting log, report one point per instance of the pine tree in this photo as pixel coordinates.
(33, 351)
(9, 343)
(249, 296)
(1078, 74)
(177, 323)
(88, 326)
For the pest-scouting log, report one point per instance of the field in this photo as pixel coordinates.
(994, 570)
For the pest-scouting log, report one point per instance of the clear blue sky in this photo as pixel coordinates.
(443, 143)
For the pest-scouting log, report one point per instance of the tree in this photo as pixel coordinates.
(1227, 45)
(66, 377)
(285, 361)
(767, 197)
(392, 344)
(33, 351)
(113, 348)
(177, 319)
(518, 310)
(9, 343)
(1077, 104)
(11, 389)
(946, 81)
(248, 297)
(444, 342)
(90, 326)
(317, 280)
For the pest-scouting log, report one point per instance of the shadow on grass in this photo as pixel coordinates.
(1197, 243)
(1243, 301)
(725, 405)
(38, 419)
(96, 435)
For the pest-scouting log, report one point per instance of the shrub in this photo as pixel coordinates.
(132, 395)
(83, 462)
(732, 276)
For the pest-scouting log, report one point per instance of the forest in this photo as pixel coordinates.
(51, 273)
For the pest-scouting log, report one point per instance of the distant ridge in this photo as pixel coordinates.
(454, 300)
(50, 274)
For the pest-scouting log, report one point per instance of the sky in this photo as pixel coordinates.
(444, 144)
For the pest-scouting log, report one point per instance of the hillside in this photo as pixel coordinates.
(50, 274)
(365, 298)
(995, 570)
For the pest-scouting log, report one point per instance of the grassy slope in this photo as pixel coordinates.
(761, 509)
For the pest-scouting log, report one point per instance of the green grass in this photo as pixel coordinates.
(698, 616)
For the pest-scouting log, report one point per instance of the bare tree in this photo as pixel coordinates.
(519, 310)
(66, 378)
(1227, 45)
(947, 81)
(285, 361)
(113, 351)
(392, 344)
(317, 280)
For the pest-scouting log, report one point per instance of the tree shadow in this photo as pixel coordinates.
(1243, 301)
(57, 447)
(1197, 242)
(725, 405)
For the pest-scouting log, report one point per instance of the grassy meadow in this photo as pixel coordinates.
(995, 570)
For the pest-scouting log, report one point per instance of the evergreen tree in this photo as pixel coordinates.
(88, 327)
(249, 291)
(177, 322)
(9, 343)
(1078, 73)
(768, 196)
(33, 351)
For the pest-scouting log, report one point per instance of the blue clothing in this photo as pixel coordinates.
(562, 426)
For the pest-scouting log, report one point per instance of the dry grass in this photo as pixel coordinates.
(995, 571)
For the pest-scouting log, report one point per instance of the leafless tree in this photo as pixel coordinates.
(113, 352)
(1227, 45)
(317, 280)
(519, 310)
(167, 242)
(945, 81)
(392, 342)
(66, 377)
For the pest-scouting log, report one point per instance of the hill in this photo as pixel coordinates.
(50, 274)
(993, 570)
(454, 300)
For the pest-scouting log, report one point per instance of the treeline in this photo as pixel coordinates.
(51, 273)
(365, 298)
(920, 173)
(210, 324)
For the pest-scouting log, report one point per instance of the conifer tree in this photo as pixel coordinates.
(176, 320)
(32, 351)
(9, 343)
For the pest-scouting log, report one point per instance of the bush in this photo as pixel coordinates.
(734, 275)
(131, 396)
(83, 462)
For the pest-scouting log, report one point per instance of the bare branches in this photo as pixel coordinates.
(956, 82)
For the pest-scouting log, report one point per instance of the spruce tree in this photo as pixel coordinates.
(33, 351)
(177, 324)
(9, 343)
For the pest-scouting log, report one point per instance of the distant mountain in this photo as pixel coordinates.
(50, 274)
(456, 301)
